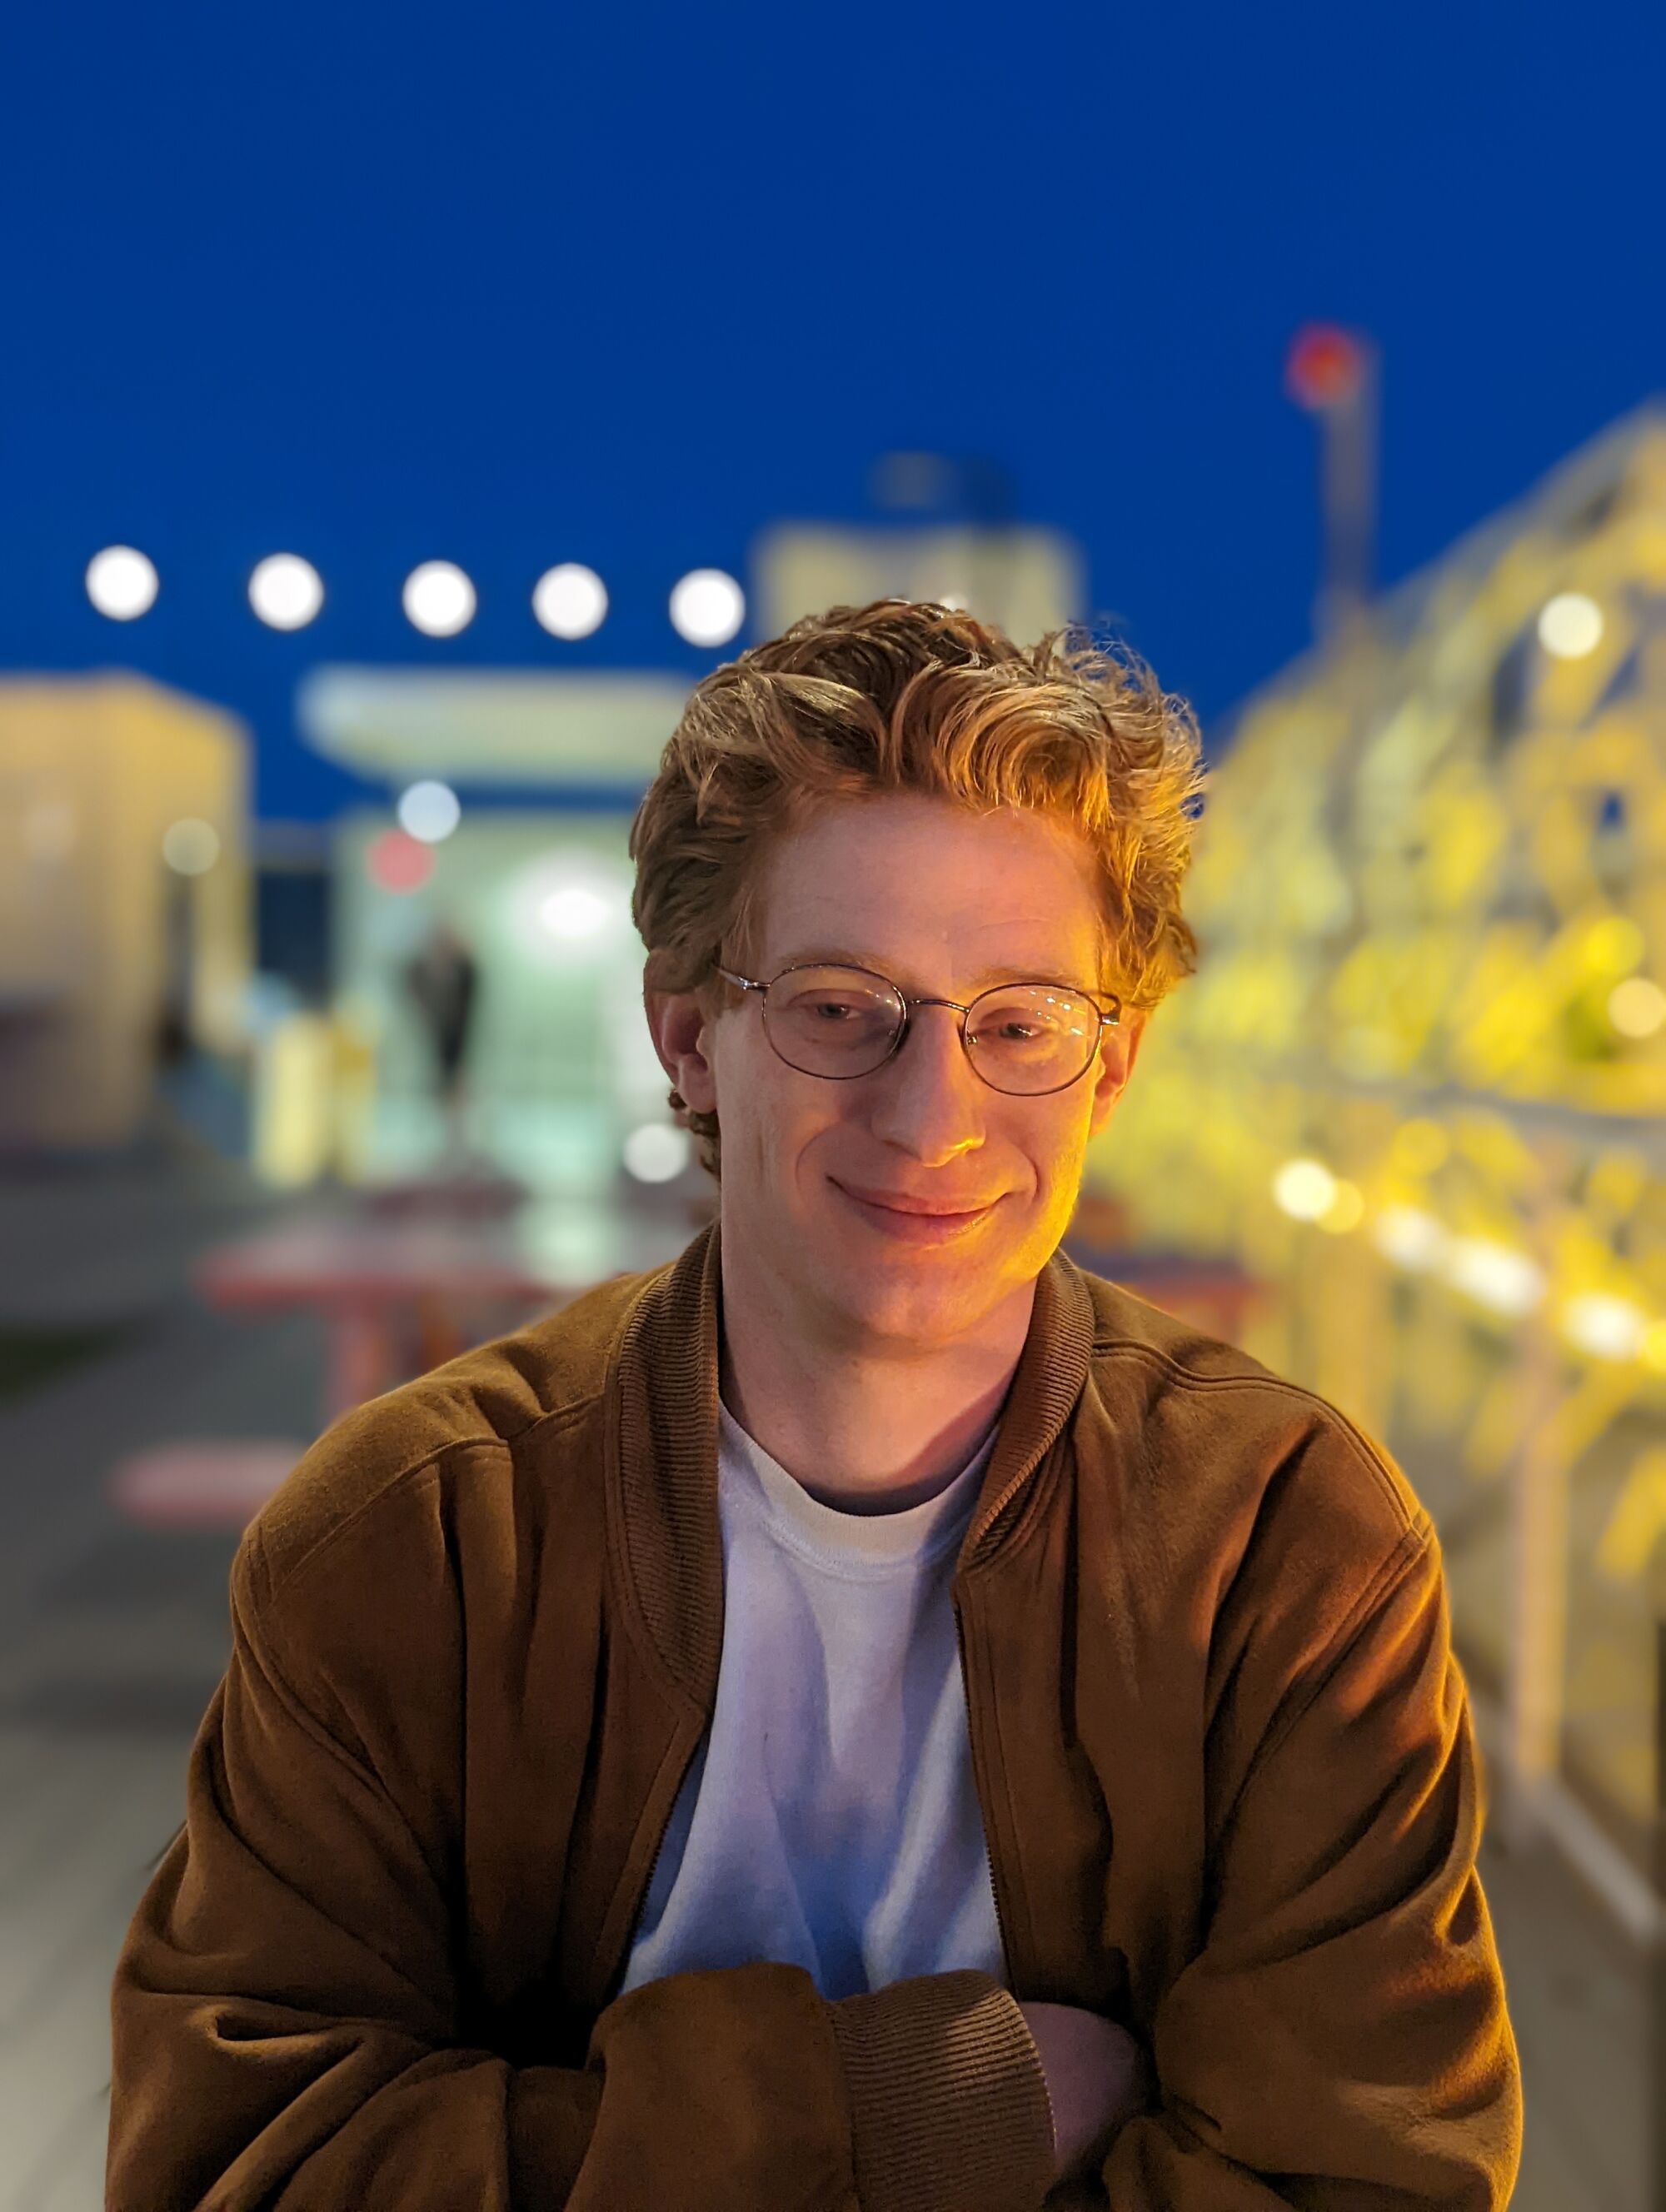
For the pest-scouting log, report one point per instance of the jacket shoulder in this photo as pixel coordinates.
(487, 1401)
(1272, 1447)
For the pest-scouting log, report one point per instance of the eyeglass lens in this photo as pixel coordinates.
(842, 1022)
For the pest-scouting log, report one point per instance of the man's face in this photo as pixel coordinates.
(943, 903)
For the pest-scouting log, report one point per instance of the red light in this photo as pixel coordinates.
(397, 863)
(1323, 367)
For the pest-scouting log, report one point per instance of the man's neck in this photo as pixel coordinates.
(864, 1432)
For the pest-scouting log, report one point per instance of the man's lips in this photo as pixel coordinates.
(897, 1202)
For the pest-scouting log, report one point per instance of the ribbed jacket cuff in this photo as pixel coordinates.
(949, 2103)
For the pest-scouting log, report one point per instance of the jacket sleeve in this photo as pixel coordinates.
(1341, 2043)
(284, 2028)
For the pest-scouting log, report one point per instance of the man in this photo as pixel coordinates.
(868, 1715)
(443, 980)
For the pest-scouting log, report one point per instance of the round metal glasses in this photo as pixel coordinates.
(1026, 1039)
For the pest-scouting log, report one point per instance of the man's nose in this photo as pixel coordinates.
(931, 1098)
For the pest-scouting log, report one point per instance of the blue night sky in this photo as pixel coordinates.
(507, 287)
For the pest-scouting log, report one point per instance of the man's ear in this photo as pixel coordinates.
(678, 1025)
(1118, 1053)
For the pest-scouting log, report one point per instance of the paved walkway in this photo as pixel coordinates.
(112, 1640)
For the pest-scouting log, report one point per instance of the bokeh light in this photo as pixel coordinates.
(396, 862)
(438, 599)
(574, 913)
(1606, 1327)
(1304, 1189)
(570, 600)
(430, 812)
(1346, 1211)
(1494, 1275)
(707, 607)
(1411, 1237)
(569, 908)
(658, 1151)
(1637, 1007)
(191, 847)
(285, 590)
(1570, 626)
(121, 583)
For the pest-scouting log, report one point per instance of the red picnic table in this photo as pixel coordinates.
(386, 1281)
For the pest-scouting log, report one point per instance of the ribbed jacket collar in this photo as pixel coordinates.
(661, 1471)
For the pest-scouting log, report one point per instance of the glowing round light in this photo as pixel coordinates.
(121, 583)
(1637, 1007)
(429, 812)
(1606, 1327)
(1304, 1189)
(285, 590)
(191, 847)
(570, 600)
(656, 1152)
(1569, 626)
(1346, 1211)
(1324, 368)
(439, 598)
(395, 862)
(569, 907)
(1494, 1275)
(707, 607)
(1410, 1238)
(575, 913)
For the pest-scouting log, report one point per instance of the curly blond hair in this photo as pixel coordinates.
(911, 695)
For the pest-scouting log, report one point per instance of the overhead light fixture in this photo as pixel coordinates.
(439, 598)
(121, 583)
(707, 607)
(570, 600)
(285, 590)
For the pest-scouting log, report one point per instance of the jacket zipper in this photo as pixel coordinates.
(621, 1964)
(978, 1778)
(979, 1769)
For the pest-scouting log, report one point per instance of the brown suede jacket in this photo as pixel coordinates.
(1223, 1754)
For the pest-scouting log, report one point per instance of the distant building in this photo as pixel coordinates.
(125, 909)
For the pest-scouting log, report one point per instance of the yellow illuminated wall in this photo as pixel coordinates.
(95, 771)
(1418, 1082)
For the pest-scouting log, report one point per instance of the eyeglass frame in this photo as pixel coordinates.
(1112, 1020)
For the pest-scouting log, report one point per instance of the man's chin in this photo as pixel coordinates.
(914, 1297)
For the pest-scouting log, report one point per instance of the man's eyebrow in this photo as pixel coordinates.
(1037, 972)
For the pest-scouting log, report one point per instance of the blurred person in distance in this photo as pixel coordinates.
(443, 981)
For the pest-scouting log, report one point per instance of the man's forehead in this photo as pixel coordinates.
(901, 922)
(984, 946)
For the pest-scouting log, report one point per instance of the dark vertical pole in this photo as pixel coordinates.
(1334, 374)
(1350, 430)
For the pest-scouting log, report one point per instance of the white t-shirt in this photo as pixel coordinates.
(829, 1818)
